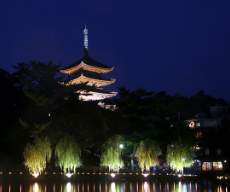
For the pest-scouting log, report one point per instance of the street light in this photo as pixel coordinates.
(121, 147)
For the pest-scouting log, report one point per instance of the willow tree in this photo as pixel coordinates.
(179, 155)
(111, 153)
(37, 154)
(147, 153)
(68, 154)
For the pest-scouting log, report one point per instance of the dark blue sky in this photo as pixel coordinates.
(177, 46)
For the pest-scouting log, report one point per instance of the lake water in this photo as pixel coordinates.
(110, 186)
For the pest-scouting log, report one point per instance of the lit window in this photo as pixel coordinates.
(198, 134)
(207, 166)
(217, 165)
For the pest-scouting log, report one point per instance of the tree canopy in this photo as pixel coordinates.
(36, 98)
(68, 154)
(111, 153)
(179, 155)
(147, 154)
(36, 155)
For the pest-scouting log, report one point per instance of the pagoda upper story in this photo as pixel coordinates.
(88, 70)
(88, 64)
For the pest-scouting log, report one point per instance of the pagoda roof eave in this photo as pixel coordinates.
(91, 81)
(87, 62)
(86, 67)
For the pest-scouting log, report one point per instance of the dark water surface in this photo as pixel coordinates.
(105, 186)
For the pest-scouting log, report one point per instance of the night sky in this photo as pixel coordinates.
(177, 46)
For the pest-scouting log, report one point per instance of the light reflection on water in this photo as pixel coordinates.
(106, 186)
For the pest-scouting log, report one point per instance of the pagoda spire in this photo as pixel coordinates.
(86, 46)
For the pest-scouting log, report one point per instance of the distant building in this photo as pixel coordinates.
(87, 70)
(209, 159)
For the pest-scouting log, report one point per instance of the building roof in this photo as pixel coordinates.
(98, 81)
(87, 63)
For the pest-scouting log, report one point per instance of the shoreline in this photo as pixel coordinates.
(126, 177)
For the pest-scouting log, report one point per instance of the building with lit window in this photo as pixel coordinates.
(88, 71)
(211, 156)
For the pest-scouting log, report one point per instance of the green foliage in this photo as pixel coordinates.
(24, 124)
(111, 153)
(44, 93)
(138, 111)
(41, 127)
(147, 153)
(173, 133)
(40, 100)
(68, 153)
(35, 155)
(179, 155)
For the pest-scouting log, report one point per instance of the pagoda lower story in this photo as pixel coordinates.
(94, 96)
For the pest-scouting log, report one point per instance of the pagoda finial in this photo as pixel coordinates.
(85, 32)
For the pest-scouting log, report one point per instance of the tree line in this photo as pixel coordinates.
(41, 116)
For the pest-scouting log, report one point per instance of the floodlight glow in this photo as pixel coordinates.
(146, 186)
(35, 175)
(145, 174)
(121, 146)
(112, 174)
(68, 187)
(69, 174)
(113, 187)
(36, 187)
(179, 175)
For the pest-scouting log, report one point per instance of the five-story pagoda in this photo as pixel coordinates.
(87, 70)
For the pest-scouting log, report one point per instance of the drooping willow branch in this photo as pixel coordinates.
(68, 154)
(37, 154)
(111, 154)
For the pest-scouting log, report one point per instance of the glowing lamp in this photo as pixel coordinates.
(69, 174)
(112, 174)
(35, 175)
(145, 174)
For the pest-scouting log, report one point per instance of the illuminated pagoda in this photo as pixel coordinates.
(87, 70)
